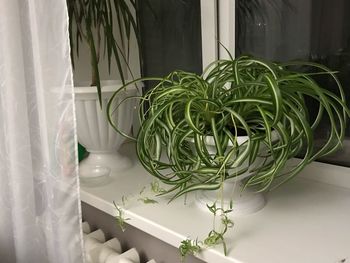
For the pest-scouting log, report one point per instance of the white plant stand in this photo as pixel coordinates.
(233, 195)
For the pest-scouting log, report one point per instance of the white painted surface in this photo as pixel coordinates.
(226, 22)
(209, 32)
(304, 221)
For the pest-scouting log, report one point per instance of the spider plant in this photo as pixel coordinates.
(243, 96)
(97, 23)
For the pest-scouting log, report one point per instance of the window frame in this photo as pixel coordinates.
(218, 25)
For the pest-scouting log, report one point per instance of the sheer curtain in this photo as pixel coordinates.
(39, 195)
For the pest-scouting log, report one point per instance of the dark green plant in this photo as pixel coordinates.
(94, 22)
(238, 96)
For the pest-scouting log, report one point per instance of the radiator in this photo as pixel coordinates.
(99, 250)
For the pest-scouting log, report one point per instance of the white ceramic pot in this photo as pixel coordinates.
(244, 201)
(97, 135)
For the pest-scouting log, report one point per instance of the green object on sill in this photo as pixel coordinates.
(81, 152)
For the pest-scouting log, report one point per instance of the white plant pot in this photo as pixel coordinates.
(97, 135)
(243, 201)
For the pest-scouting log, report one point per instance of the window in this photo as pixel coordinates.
(314, 30)
(170, 36)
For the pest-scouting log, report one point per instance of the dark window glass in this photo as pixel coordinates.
(314, 30)
(170, 36)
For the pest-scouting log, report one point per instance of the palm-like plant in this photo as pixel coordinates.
(95, 22)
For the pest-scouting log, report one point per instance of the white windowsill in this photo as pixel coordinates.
(306, 220)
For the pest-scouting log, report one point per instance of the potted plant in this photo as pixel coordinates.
(230, 132)
(243, 118)
(104, 28)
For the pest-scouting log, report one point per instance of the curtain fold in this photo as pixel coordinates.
(39, 190)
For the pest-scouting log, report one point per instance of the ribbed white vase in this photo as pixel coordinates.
(97, 135)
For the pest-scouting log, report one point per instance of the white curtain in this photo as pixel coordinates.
(39, 195)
